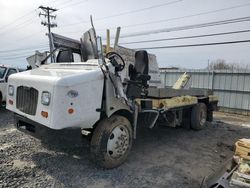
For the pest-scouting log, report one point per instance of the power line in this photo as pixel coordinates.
(17, 19)
(141, 10)
(130, 12)
(53, 1)
(62, 2)
(22, 49)
(13, 28)
(27, 54)
(187, 37)
(171, 19)
(187, 27)
(194, 45)
(20, 54)
(188, 16)
(14, 58)
(72, 4)
(14, 42)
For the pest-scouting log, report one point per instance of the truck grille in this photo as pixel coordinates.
(27, 98)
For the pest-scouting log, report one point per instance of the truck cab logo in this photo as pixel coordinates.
(72, 93)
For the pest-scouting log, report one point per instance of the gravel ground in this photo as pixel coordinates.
(162, 157)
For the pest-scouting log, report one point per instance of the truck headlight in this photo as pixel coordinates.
(11, 90)
(45, 99)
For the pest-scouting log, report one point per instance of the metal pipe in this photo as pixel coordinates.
(156, 117)
(117, 36)
(108, 41)
(135, 119)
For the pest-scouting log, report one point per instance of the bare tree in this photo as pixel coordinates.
(221, 64)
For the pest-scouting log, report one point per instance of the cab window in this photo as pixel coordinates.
(11, 71)
(2, 72)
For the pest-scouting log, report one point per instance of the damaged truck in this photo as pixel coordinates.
(106, 92)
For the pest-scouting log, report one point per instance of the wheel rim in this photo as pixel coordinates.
(118, 142)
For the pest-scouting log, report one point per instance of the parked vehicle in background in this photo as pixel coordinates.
(5, 72)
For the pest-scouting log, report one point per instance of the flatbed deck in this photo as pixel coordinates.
(161, 93)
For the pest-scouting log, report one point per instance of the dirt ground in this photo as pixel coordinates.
(162, 157)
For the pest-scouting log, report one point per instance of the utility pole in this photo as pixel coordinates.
(47, 13)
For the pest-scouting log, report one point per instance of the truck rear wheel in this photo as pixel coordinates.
(199, 116)
(111, 141)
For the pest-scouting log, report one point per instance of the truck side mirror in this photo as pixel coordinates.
(99, 47)
(100, 50)
(6, 78)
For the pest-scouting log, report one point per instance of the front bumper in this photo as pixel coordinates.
(44, 133)
(27, 125)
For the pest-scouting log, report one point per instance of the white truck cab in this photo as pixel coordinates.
(53, 95)
(5, 72)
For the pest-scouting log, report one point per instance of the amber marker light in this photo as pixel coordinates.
(11, 102)
(70, 110)
(44, 114)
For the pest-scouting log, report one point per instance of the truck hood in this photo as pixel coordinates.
(86, 80)
(63, 74)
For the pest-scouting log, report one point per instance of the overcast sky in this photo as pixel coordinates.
(20, 27)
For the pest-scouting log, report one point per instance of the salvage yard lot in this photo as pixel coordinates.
(162, 157)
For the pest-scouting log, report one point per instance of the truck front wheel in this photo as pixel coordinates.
(199, 116)
(111, 141)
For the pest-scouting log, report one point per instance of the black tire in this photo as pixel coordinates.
(106, 132)
(199, 116)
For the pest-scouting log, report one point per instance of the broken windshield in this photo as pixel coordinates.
(2, 71)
